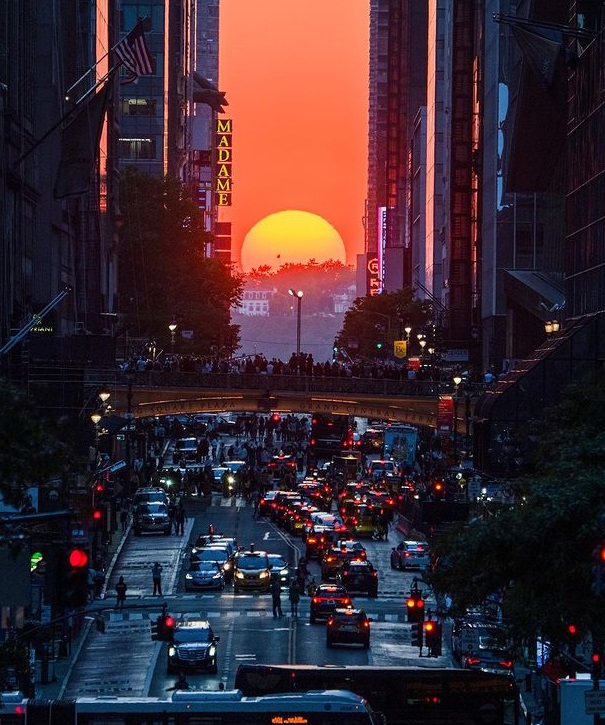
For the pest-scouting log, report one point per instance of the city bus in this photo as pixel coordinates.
(404, 695)
(193, 707)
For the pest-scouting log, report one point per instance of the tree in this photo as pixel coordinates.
(537, 554)
(163, 270)
(372, 320)
(30, 449)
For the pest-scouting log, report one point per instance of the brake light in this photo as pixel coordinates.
(311, 541)
(374, 573)
(473, 661)
(330, 622)
(316, 600)
(366, 624)
(347, 602)
(506, 663)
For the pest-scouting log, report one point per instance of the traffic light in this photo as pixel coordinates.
(75, 577)
(417, 634)
(415, 607)
(573, 637)
(163, 628)
(379, 344)
(598, 570)
(432, 637)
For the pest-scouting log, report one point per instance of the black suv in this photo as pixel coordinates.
(193, 647)
(326, 599)
(151, 518)
(348, 626)
(358, 576)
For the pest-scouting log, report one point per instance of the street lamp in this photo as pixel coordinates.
(299, 296)
(172, 327)
(457, 379)
(552, 327)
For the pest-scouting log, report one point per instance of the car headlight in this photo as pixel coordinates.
(171, 651)
(217, 575)
(230, 479)
(264, 574)
(227, 565)
(188, 576)
(239, 575)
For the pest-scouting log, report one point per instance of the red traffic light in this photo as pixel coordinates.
(97, 515)
(99, 488)
(78, 558)
(415, 603)
(572, 629)
(169, 622)
(596, 658)
(429, 626)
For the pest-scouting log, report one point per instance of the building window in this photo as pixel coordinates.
(139, 107)
(136, 148)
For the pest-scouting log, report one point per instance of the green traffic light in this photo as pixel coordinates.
(35, 560)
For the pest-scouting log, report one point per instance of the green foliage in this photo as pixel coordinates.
(381, 318)
(30, 449)
(163, 273)
(538, 553)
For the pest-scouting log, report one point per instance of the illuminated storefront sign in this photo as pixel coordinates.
(224, 159)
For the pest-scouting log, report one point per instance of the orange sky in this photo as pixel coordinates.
(295, 73)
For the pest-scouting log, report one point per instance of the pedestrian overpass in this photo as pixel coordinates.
(154, 393)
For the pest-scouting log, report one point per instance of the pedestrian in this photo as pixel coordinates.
(255, 502)
(180, 520)
(276, 596)
(156, 574)
(294, 596)
(121, 592)
(180, 684)
(124, 518)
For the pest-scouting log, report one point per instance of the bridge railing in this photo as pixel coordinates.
(295, 383)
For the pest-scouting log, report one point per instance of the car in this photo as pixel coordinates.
(372, 441)
(265, 505)
(356, 548)
(329, 520)
(149, 495)
(279, 566)
(193, 647)
(214, 541)
(251, 571)
(410, 555)
(316, 541)
(224, 426)
(204, 575)
(348, 626)
(151, 518)
(479, 644)
(326, 598)
(185, 448)
(218, 554)
(358, 576)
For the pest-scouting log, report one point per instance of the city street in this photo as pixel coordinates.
(125, 661)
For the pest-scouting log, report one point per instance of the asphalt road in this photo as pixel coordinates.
(125, 661)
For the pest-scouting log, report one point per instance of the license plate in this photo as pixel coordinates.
(348, 628)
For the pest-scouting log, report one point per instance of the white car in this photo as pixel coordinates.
(410, 555)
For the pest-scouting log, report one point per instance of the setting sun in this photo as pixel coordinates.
(296, 77)
(291, 237)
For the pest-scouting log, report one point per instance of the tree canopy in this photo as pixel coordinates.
(30, 448)
(163, 271)
(537, 554)
(381, 319)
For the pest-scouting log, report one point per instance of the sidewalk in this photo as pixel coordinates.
(60, 668)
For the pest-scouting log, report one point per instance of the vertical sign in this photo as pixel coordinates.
(445, 416)
(224, 160)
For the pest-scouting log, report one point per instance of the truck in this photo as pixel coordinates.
(400, 443)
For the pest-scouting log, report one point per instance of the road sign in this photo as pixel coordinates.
(595, 702)
(117, 466)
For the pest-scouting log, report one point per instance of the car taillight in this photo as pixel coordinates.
(366, 624)
(506, 663)
(407, 555)
(330, 622)
(374, 573)
(330, 558)
(347, 602)
(316, 600)
(473, 661)
(311, 541)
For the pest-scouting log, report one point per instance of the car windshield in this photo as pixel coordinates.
(205, 566)
(211, 555)
(277, 562)
(252, 562)
(153, 508)
(192, 635)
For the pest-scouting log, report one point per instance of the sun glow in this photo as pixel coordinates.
(293, 237)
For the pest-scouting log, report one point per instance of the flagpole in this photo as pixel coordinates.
(530, 23)
(65, 117)
(82, 77)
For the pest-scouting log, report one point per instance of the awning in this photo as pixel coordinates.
(534, 291)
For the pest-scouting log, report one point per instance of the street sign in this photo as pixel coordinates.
(595, 702)
(117, 466)
(400, 348)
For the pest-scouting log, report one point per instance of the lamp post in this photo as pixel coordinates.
(130, 375)
(457, 379)
(299, 295)
(408, 331)
(172, 327)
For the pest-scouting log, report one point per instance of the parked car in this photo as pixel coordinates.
(327, 598)
(348, 626)
(193, 647)
(410, 555)
(359, 576)
(185, 448)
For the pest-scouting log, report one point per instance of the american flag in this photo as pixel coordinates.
(132, 53)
